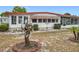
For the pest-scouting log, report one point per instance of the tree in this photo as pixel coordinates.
(27, 30)
(24, 9)
(67, 14)
(18, 9)
(2, 14)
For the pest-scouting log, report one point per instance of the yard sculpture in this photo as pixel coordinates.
(27, 45)
(27, 30)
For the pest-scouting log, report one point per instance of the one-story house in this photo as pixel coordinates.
(45, 20)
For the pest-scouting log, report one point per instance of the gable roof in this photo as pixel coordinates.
(30, 13)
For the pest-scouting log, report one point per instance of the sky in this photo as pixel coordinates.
(74, 10)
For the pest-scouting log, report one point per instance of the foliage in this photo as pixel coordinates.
(18, 9)
(75, 31)
(2, 14)
(67, 14)
(57, 26)
(73, 28)
(4, 27)
(35, 27)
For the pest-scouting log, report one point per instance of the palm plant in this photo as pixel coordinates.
(75, 31)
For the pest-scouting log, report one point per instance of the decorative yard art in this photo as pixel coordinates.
(27, 46)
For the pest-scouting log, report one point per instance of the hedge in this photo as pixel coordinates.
(35, 27)
(4, 27)
(57, 26)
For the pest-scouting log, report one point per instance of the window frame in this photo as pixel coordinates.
(52, 20)
(45, 20)
(13, 20)
(49, 21)
(56, 20)
(25, 19)
(34, 20)
(40, 21)
(20, 19)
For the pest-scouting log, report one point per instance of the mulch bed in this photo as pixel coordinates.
(73, 40)
(33, 47)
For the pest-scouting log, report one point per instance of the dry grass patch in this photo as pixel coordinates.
(7, 40)
(56, 41)
(51, 41)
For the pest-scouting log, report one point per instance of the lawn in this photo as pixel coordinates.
(51, 41)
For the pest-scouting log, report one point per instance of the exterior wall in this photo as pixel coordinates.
(70, 25)
(47, 25)
(17, 25)
(42, 26)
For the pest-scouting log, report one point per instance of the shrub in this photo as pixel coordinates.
(75, 31)
(4, 27)
(57, 26)
(35, 27)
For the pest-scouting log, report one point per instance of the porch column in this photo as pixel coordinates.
(17, 22)
(37, 20)
(22, 20)
(59, 20)
(29, 19)
(22, 23)
(10, 21)
(70, 21)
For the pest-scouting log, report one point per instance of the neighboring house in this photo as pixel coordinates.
(43, 19)
(4, 20)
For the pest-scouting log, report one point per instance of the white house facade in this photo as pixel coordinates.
(45, 20)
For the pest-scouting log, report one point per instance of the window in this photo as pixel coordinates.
(1, 20)
(20, 19)
(63, 21)
(25, 19)
(44, 20)
(49, 20)
(13, 19)
(4, 19)
(34, 20)
(40, 20)
(74, 21)
(68, 21)
(56, 20)
(53, 20)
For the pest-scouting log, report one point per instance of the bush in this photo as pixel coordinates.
(57, 26)
(75, 31)
(35, 27)
(4, 27)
